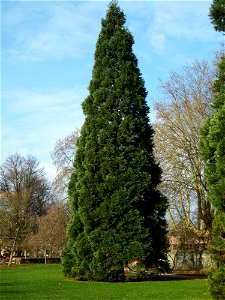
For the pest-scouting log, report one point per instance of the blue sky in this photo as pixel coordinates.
(47, 50)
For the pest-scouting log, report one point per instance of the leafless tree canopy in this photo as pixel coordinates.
(63, 157)
(19, 174)
(185, 106)
(50, 235)
(24, 195)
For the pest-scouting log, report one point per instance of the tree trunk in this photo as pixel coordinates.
(11, 253)
(45, 256)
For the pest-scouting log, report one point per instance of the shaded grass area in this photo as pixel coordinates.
(39, 281)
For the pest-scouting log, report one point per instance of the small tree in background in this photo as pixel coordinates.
(213, 152)
(117, 211)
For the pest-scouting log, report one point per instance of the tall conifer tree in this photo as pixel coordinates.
(117, 212)
(213, 152)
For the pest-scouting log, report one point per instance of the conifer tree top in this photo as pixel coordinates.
(217, 15)
(113, 10)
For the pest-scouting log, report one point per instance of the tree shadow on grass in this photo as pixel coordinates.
(5, 284)
(166, 277)
(9, 289)
(11, 292)
(175, 277)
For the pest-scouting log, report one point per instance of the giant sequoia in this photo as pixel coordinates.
(117, 212)
(213, 153)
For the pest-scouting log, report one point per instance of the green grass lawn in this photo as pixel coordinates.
(38, 281)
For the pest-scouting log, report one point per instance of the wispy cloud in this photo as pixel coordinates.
(49, 30)
(162, 24)
(33, 121)
(59, 29)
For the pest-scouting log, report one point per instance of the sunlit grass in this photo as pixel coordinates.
(39, 281)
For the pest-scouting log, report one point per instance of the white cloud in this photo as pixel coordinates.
(157, 25)
(56, 30)
(34, 121)
(181, 21)
(50, 30)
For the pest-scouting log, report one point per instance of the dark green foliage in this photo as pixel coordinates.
(213, 152)
(117, 213)
(213, 143)
(218, 238)
(216, 281)
(217, 15)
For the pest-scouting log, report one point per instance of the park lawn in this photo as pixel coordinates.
(39, 281)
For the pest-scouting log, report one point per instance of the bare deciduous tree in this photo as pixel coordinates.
(24, 194)
(18, 174)
(186, 105)
(16, 220)
(50, 235)
(62, 157)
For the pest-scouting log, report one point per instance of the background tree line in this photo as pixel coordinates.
(27, 207)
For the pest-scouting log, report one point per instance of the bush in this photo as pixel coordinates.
(217, 282)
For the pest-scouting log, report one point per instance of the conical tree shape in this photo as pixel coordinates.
(117, 213)
(213, 152)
